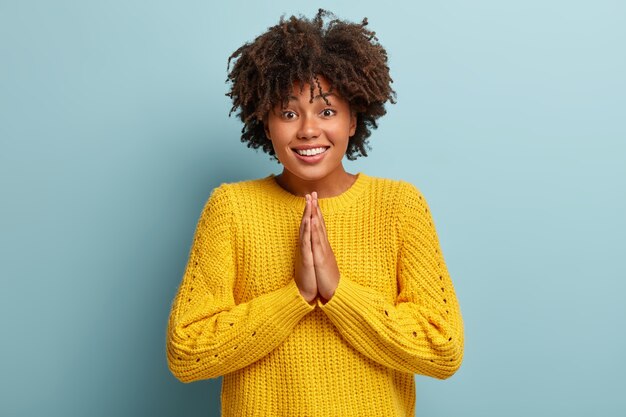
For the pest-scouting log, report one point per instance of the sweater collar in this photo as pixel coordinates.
(328, 205)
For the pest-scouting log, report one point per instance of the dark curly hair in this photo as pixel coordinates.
(346, 54)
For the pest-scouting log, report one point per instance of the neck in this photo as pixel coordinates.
(331, 185)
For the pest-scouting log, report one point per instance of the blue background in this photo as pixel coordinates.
(114, 130)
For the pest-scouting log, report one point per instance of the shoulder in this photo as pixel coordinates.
(232, 194)
(411, 194)
(398, 189)
(402, 199)
(243, 190)
(388, 187)
(408, 200)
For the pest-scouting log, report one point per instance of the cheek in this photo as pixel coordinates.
(279, 141)
(340, 132)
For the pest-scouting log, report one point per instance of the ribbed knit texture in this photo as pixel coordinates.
(239, 314)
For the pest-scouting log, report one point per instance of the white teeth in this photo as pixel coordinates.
(311, 152)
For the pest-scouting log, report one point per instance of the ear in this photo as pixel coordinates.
(353, 120)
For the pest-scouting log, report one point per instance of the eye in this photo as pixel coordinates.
(289, 115)
(328, 112)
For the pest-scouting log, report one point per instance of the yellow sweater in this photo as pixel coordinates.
(238, 312)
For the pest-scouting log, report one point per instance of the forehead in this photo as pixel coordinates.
(323, 92)
(302, 89)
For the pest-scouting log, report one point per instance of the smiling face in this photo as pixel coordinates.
(304, 125)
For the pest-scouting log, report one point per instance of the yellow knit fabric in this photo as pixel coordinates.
(238, 312)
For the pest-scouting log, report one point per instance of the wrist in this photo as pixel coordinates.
(311, 299)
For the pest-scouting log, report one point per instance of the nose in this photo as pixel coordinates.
(309, 127)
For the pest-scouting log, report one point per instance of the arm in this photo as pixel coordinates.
(423, 331)
(208, 335)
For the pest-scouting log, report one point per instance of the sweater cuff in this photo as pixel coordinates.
(347, 297)
(288, 303)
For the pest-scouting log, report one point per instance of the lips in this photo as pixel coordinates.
(311, 159)
(305, 147)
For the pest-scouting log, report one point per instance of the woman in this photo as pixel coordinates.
(315, 292)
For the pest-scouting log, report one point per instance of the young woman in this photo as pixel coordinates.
(315, 292)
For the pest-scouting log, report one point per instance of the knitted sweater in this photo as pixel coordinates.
(239, 314)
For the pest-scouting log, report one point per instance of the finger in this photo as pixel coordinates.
(318, 212)
(315, 209)
(317, 240)
(321, 225)
(304, 214)
(307, 207)
(316, 215)
(306, 237)
(307, 221)
(314, 238)
(316, 205)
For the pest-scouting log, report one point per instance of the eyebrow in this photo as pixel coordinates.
(292, 98)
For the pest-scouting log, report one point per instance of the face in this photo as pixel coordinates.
(311, 125)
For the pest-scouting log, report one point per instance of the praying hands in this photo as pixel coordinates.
(316, 270)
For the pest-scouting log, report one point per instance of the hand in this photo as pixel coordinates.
(304, 268)
(326, 269)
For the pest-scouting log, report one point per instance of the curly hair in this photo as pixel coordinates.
(298, 50)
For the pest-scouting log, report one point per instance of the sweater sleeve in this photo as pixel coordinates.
(208, 335)
(422, 332)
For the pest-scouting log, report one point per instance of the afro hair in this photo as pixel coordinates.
(298, 50)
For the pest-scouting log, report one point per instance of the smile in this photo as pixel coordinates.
(316, 157)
